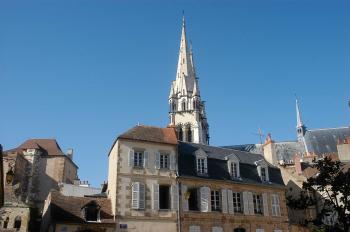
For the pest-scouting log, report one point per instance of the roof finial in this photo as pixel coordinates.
(183, 18)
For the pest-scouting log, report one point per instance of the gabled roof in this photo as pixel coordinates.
(69, 209)
(217, 164)
(47, 146)
(151, 134)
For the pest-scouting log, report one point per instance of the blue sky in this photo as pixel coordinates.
(84, 71)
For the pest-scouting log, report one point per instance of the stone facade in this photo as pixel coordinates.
(124, 173)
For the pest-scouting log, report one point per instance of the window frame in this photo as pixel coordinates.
(215, 200)
(237, 205)
(275, 205)
(138, 159)
(164, 161)
(258, 204)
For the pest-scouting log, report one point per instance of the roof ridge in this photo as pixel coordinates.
(332, 128)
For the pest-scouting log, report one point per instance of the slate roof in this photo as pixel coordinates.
(324, 141)
(217, 164)
(47, 146)
(151, 134)
(69, 209)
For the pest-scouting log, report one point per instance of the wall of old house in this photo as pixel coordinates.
(97, 227)
(207, 220)
(112, 176)
(140, 220)
(10, 213)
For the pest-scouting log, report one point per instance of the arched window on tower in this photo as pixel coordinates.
(183, 105)
(189, 134)
(194, 104)
(174, 106)
(180, 134)
(17, 223)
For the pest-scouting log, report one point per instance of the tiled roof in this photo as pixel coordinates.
(324, 141)
(69, 209)
(47, 146)
(217, 164)
(151, 134)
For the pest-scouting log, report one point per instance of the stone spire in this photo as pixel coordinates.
(301, 129)
(187, 110)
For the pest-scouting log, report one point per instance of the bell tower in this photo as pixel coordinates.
(187, 110)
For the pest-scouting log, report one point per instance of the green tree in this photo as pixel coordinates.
(332, 182)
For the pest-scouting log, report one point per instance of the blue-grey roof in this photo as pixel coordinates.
(217, 164)
(324, 141)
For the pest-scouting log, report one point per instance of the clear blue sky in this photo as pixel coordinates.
(84, 71)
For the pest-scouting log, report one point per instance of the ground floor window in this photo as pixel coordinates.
(193, 199)
(164, 197)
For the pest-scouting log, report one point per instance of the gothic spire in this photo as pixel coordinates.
(299, 120)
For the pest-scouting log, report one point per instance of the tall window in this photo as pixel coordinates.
(17, 223)
(215, 200)
(138, 159)
(263, 174)
(193, 199)
(189, 134)
(201, 165)
(257, 199)
(164, 197)
(6, 222)
(234, 169)
(275, 203)
(237, 202)
(183, 105)
(180, 134)
(164, 161)
(194, 104)
(138, 195)
(92, 212)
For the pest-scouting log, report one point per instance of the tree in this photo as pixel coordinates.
(332, 182)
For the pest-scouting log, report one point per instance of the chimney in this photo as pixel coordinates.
(297, 162)
(70, 153)
(343, 147)
(270, 150)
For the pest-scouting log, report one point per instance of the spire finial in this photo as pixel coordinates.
(183, 18)
(299, 120)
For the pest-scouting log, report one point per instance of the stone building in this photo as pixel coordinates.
(31, 171)
(142, 180)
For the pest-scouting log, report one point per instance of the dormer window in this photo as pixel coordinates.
(233, 166)
(201, 162)
(92, 212)
(263, 170)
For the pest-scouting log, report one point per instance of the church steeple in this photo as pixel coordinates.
(301, 129)
(187, 110)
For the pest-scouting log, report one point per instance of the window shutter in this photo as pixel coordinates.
(265, 204)
(246, 203)
(205, 199)
(142, 196)
(174, 197)
(172, 162)
(145, 159)
(267, 174)
(155, 196)
(259, 170)
(131, 158)
(157, 160)
(238, 171)
(184, 200)
(230, 201)
(206, 165)
(278, 209)
(224, 200)
(251, 203)
(135, 193)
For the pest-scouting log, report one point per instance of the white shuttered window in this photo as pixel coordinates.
(275, 205)
(138, 195)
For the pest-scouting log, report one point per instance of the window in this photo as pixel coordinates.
(180, 134)
(138, 195)
(275, 203)
(164, 161)
(92, 211)
(237, 202)
(257, 200)
(6, 222)
(193, 199)
(194, 229)
(259, 230)
(17, 223)
(189, 134)
(138, 159)
(239, 230)
(234, 169)
(164, 197)
(183, 105)
(215, 200)
(217, 229)
(201, 165)
(263, 174)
